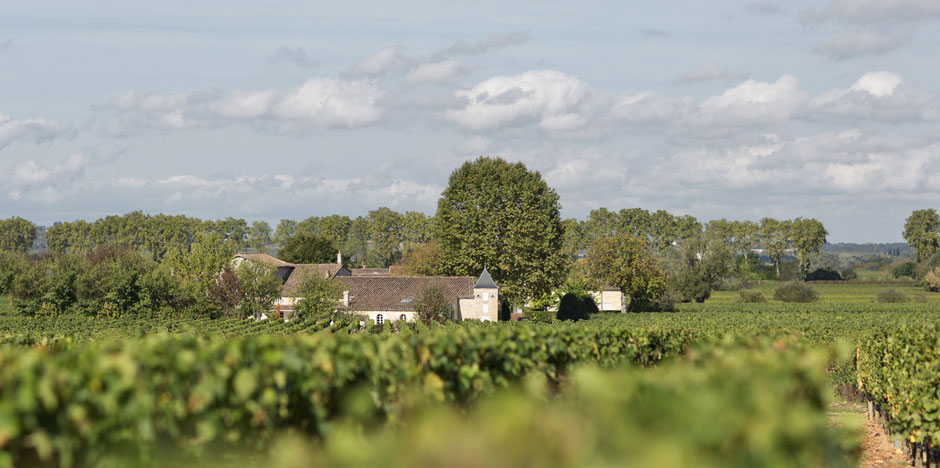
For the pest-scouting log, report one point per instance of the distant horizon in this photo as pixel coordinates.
(730, 109)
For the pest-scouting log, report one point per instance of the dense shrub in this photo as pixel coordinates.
(824, 274)
(692, 286)
(891, 295)
(932, 280)
(589, 304)
(540, 316)
(921, 297)
(905, 269)
(849, 274)
(572, 308)
(749, 295)
(795, 292)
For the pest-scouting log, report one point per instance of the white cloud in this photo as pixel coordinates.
(319, 102)
(755, 102)
(548, 98)
(384, 61)
(444, 71)
(329, 102)
(880, 96)
(33, 130)
(54, 182)
(847, 45)
(711, 71)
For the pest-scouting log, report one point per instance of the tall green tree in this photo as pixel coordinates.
(385, 237)
(503, 216)
(775, 239)
(308, 248)
(626, 262)
(16, 235)
(807, 236)
(259, 236)
(922, 233)
(284, 231)
(259, 287)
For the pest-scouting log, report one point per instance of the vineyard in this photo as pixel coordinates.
(724, 385)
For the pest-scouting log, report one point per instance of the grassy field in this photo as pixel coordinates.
(836, 293)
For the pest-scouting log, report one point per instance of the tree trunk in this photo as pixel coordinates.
(623, 302)
(777, 264)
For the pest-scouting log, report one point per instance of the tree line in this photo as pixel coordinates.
(493, 214)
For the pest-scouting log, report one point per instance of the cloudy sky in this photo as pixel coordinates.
(266, 110)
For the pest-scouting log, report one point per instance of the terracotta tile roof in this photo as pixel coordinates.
(304, 270)
(264, 259)
(369, 271)
(398, 293)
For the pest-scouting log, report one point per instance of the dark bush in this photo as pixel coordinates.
(589, 305)
(904, 269)
(572, 308)
(692, 286)
(891, 296)
(795, 292)
(749, 295)
(849, 274)
(824, 274)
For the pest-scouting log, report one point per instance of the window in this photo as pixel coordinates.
(379, 319)
(403, 318)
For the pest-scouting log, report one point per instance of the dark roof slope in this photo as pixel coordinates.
(485, 281)
(303, 271)
(398, 293)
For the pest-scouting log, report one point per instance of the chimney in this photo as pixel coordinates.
(345, 298)
(339, 257)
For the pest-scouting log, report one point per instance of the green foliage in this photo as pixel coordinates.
(806, 236)
(795, 292)
(849, 274)
(891, 296)
(505, 217)
(16, 235)
(922, 233)
(905, 269)
(259, 236)
(308, 248)
(897, 368)
(751, 296)
(572, 308)
(824, 274)
(259, 288)
(540, 315)
(321, 297)
(192, 392)
(433, 306)
(626, 262)
(423, 260)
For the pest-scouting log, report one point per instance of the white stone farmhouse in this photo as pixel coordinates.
(382, 295)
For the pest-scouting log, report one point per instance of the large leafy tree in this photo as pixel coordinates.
(16, 235)
(308, 248)
(503, 216)
(922, 233)
(259, 235)
(807, 236)
(775, 238)
(625, 261)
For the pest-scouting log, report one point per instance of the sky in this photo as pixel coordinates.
(827, 109)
